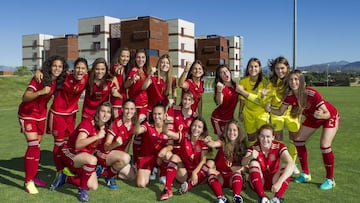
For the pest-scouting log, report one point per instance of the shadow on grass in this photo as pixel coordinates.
(10, 168)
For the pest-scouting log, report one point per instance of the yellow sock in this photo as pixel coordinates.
(292, 150)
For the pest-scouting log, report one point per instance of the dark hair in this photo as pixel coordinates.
(274, 78)
(260, 77)
(46, 71)
(189, 76)
(91, 80)
(234, 150)
(96, 116)
(115, 62)
(218, 78)
(81, 60)
(205, 129)
(127, 101)
(267, 126)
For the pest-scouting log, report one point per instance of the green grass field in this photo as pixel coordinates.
(13, 146)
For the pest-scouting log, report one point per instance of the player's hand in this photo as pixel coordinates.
(264, 92)
(188, 66)
(254, 154)
(194, 179)
(38, 76)
(318, 114)
(219, 86)
(275, 187)
(267, 107)
(135, 78)
(45, 90)
(101, 133)
(153, 70)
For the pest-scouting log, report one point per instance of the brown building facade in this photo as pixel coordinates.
(148, 33)
(212, 51)
(66, 46)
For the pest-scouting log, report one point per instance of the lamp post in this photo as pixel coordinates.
(327, 75)
(294, 35)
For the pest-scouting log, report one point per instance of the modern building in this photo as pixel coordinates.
(102, 36)
(34, 49)
(65, 46)
(181, 43)
(235, 55)
(148, 33)
(94, 35)
(212, 51)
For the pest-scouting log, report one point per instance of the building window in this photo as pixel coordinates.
(237, 68)
(34, 56)
(219, 48)
(97, 29)
(182, 63)
(34, 45)
(182, 31)
(222, 61)
(209, 49)
(140, 35)
(236, 56)
(182, 47)
(236, 45)
(152, 52)
(96, 46)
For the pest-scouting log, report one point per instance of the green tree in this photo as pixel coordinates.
(22, 71)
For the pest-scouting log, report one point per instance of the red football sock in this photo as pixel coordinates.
(85, 174)
(329, 160)
(163, 168)
(215, 185)
(303, 156)
(111, 172)
(31, 159)
(56, 156)
(170, 174)
(237, 182)
(75, 180)
(256, 181)
(282, 189)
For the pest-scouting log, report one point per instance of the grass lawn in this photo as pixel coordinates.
(13, 146)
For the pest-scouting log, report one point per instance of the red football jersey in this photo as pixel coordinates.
(271, 163)
(135, 92)
(196, 91)
(156, 91)
(100, 94)
(314, 101)
(37, 108)
(120, 130)
(152, 141)
(66, 100)
(225, 111)
(87, 127)
(115, 101)
(190, 154)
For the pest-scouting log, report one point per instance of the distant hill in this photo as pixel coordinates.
(340, 66)
(7, 68)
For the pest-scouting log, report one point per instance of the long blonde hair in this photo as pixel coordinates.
(234, 150)
(301, 94)
(169, 74)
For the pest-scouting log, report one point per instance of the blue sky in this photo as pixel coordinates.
(327, 30)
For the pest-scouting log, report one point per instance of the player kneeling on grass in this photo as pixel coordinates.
(265, 172)
(113, 159)
(188, 166)
(227, 163)
(77, 154)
